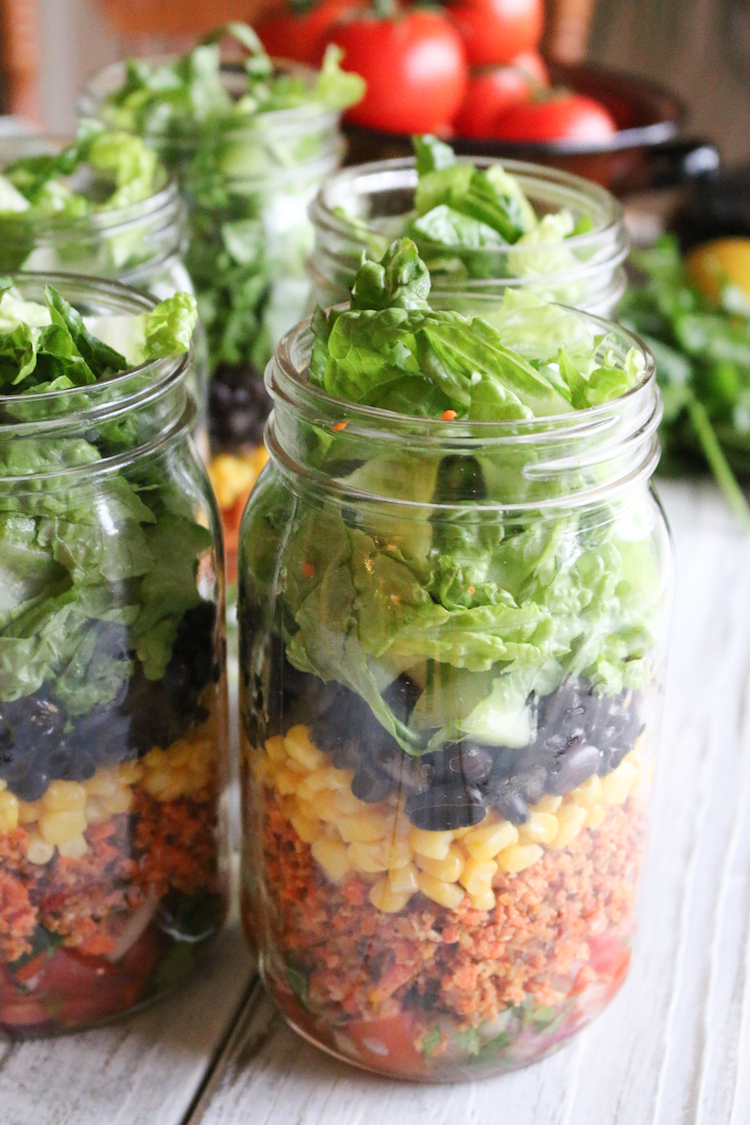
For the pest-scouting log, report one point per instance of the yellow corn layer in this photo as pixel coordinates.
(377, 842)
(59, 819)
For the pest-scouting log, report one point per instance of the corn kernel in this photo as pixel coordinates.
(487, 841)
(332, 857)
(396, 852)
(617, 785)
(64, 796)
(548, 804)
(29, 811)
(588, 794)
(345, 801)
(595, 816)
(130, 773)
(404, 879)
(307, 830)
(103, 784)
(328, 778)
(324, 806)
(540, 828)
(365, 828)
(384, 898)
(121, 801)
(444, 894)
(286, 782)
(477, 875)
(74, 848)
(459, 833)
(448, 870)
(3, 784)
(485, 901)
(38, 850)
(8, 812)
(570, 821)
(519, 857)
(95, 811)
(275, 748)
(299, 746)
(60, 827)
(434, 845)
(367, 858)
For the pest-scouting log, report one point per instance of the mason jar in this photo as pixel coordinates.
(363, 208)
(112, 690)
(451, 665)
(248, 191)
(141, 245)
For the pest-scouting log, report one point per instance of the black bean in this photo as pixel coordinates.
(572, 769)
(509, 802)
(32, 786)
(470, 761)
(531, 784)
(371, 785)
(445, 807)
(510, 760)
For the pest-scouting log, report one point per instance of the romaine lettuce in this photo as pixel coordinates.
(481, 608)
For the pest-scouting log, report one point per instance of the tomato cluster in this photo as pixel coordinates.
(471, 69)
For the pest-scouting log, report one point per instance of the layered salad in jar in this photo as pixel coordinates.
(251, 142)
(451, 649)
(112, 693)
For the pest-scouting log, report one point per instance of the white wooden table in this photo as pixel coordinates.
(673, 1048)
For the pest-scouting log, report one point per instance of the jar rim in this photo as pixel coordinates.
(285, 379)
(121, 299)
(111, 220)
(611, 221)
(91, 99)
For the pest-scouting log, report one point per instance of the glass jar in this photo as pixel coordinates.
(248, 192)
(112, 690)
(141, 245)
(365, 207)
(451, 664)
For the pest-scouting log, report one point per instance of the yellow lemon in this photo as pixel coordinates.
(724, 261)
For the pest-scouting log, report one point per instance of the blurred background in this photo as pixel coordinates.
(700, 49)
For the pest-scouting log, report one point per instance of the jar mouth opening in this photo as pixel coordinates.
(113, 392)
(401, 173)
(286, 379)
(295, 119)
(166, 199)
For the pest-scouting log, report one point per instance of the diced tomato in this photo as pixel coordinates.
(388, 1044)
(70, 990)
(609, 956)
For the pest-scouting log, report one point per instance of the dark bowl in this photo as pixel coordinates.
(647, 150)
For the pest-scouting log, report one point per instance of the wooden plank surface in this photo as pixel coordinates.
(674, 1047)
(143, 1071)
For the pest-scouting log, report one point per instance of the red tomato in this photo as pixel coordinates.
(70, 990)
(492, 90)
(287, 34)
(414, 67)
(609, 956)
(387, 1043)
(533, 66)
(496, 31)
(568, 116)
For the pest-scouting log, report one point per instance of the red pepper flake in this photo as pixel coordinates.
(471, 590)
(341, 425)
(308, 570)
(447, 416)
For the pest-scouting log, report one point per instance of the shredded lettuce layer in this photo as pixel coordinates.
(481, 608)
